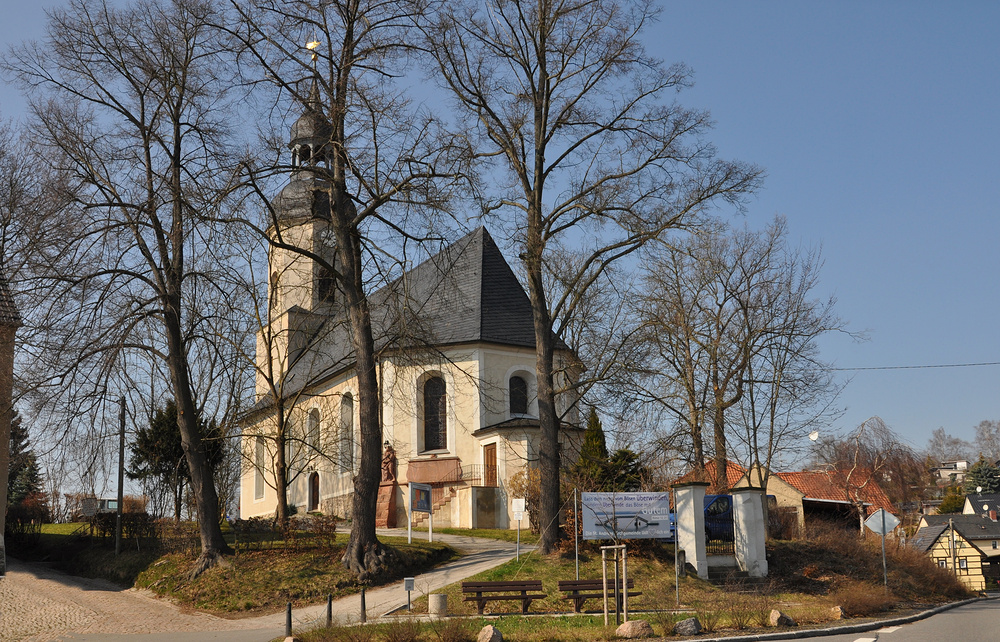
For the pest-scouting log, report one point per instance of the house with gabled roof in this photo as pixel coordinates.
(982, 504)
(455, 343)
(968, 545)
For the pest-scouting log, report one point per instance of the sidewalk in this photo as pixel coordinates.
(38, 604)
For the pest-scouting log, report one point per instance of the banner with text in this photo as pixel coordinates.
(626, 516)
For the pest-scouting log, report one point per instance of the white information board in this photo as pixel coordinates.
(626, 515)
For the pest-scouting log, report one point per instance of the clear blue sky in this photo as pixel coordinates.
(876, 123)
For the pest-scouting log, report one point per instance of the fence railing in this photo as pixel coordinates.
(472, 473)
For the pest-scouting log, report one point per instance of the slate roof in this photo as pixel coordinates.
(8, 311)
(832, 486)
(990, 500)
(925, 537)
(466, 293)
(970, 526)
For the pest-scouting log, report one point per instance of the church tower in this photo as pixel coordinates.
(301, 292)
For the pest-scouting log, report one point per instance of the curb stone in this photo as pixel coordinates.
(848, 628)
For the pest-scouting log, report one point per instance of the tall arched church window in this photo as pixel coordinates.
(345, 446)
(312, 432)
(326, 284)
(435, 414)
(518, 396)
(258, 468)
(313, 499)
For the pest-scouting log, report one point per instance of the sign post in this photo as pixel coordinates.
(518, 506)
(408, 586)
(420, 502)
(882, 522)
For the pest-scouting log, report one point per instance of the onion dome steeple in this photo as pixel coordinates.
(307, 194)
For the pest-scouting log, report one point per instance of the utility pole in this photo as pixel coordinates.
(121, 478)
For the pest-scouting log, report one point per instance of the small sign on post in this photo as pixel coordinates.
(517, 505)
(882, 522)
(408, 583)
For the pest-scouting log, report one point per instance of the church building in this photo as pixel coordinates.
(456, 366)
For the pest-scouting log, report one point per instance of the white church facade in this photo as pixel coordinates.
(455, 343)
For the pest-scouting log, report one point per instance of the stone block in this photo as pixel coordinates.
(690, 626)
(489, 633)
(635, 629)
(778, 618)
(437, 604)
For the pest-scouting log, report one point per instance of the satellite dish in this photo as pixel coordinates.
(979, 489)
(814, 435)
(986, 507)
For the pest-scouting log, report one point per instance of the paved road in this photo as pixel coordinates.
(975, 622)
(40, 604)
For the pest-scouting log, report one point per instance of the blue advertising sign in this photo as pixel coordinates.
(626, 516)
(420, 498)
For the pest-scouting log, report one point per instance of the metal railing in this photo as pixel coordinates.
(470, 474)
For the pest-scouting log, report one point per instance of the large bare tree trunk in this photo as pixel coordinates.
(364, 555)
(6, 415)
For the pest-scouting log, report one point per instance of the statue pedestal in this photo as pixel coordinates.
(385, 511)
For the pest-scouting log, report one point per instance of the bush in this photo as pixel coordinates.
(254, 532)
(178, 537)
(861, 599)
(25, 519)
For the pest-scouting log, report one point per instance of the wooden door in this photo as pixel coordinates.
(490, 465)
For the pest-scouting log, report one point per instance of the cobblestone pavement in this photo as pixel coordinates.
(37, 603)
(40, 604)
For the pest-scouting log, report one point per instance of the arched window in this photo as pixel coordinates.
(313, 501)
(518, 396)
(326, 284)
(258, 468)
(312, 432)
(346, 433)
(435, 414)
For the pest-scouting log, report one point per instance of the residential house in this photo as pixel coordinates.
(969, 545)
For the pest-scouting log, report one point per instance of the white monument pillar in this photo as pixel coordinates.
(750, 531)
(690, 508)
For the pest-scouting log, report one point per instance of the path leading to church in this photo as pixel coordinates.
(40, 604)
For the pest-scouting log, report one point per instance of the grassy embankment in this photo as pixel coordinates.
(807, 578)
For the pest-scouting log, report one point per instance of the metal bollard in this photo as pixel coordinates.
(288, 620)
(329, 610)
(364, 610)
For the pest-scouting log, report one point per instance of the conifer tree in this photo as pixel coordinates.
(983, 475)
(25, 474)
(593, 453)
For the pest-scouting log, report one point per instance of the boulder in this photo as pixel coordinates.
(836, 613)
(635, 629)
(490, 633)
(780, 619)
(690, 626)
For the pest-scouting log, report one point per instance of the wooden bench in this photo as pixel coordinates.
(513, 590)
(581, 590)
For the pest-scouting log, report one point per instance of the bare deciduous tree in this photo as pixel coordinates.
(589, 151)
(733, 327)
(381, 164)
(126, 103)
(863, 460)
(943, 446)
